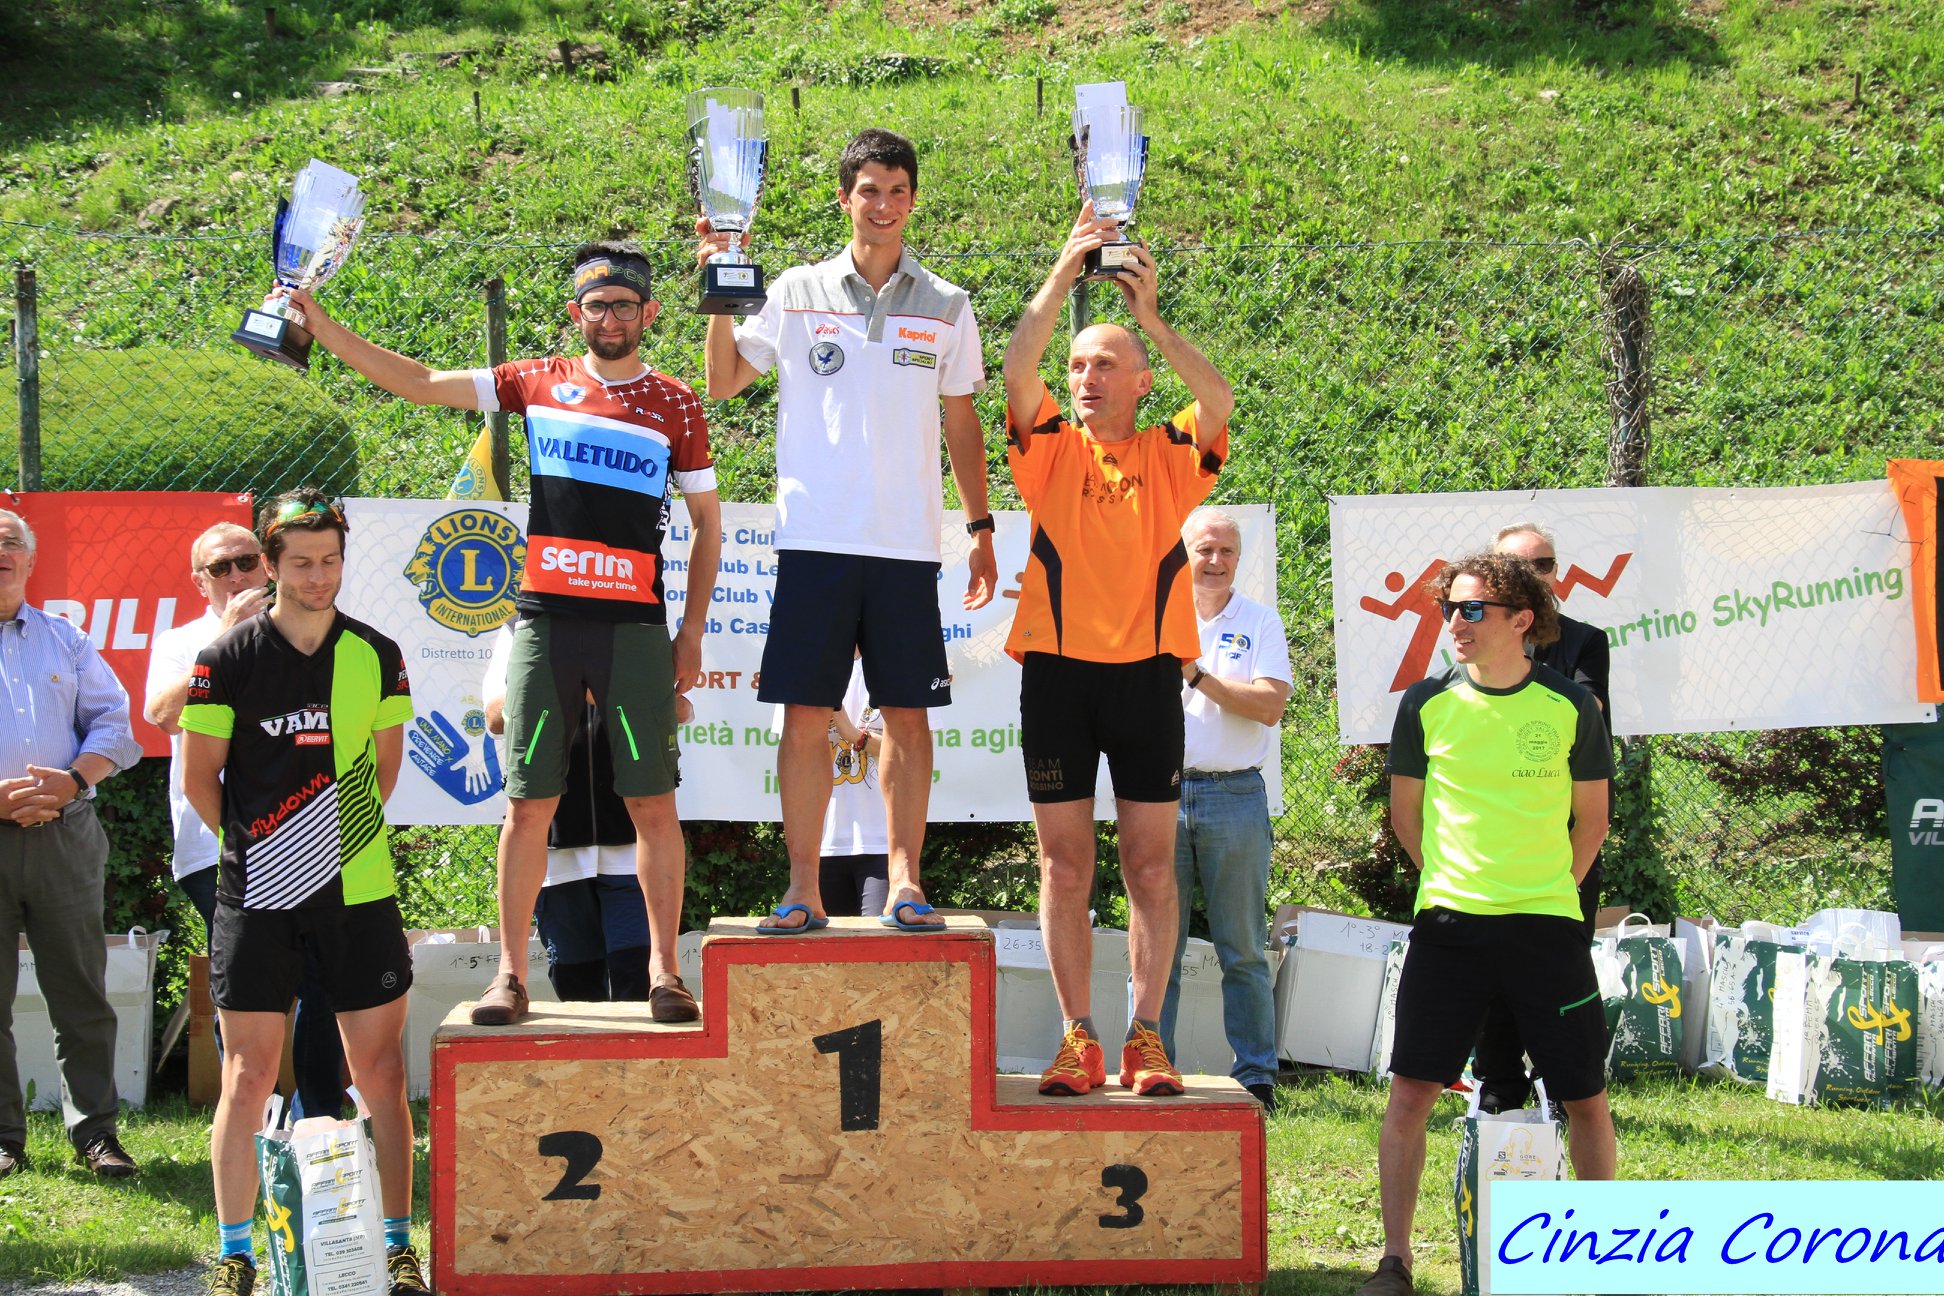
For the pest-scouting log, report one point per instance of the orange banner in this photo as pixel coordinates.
(116, 563)
(1915, 482)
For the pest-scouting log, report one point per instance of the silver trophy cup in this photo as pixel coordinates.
(728, 149)
(310, 239)
(1109, 159)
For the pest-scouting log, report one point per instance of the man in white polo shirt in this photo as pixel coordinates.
(869, 348)
(1233, 701)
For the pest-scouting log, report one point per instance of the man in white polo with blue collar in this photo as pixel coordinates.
(1233, 697)
(876, 359)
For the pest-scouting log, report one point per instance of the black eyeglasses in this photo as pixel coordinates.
(221, 567)
(1470, 609)
(625, 311)
(1544, 566)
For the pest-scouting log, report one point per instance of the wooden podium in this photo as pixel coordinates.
(834, 1121)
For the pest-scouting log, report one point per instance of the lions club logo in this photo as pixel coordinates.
(1538, 741)
(467, 569)
(826, 358)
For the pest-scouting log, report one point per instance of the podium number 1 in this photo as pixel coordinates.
(860, 1069)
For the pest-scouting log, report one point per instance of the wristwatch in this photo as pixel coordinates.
(1200, 675)
(977, 525)
(80, 784)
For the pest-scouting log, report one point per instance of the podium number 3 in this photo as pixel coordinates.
(860, 1069)
(1131, 1180)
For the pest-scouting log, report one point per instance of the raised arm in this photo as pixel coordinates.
(397, 374)
(1034, 332)
(1214, 398)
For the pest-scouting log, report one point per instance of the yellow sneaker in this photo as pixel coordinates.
(1079, 1067)
(1145, 1067)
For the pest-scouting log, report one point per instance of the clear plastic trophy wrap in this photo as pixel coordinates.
(312, 236)
(728, 150)
(1109, 158)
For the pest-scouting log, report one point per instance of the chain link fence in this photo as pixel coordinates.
(1359, 368)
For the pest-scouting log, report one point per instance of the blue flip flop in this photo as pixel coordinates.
(892, 920)
(810, 921)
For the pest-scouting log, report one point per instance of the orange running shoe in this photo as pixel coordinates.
(1145, 1067)
(1079, 1067)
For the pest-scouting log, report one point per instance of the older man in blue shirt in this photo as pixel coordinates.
(63, 729)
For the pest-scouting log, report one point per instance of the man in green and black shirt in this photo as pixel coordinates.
(1499, 770)
(292, 736)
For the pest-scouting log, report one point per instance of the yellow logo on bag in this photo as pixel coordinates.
(1868, 1019)
(1465, 1210)
(1660, 992)
(278, 1217)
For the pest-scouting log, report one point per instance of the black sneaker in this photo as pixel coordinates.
(402, 1263)
(233, 1275)
(1264, 1094)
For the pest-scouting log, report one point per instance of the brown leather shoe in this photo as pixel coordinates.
(669, 1001)
(13, 1156)
(105, 1157)
(504, 1002)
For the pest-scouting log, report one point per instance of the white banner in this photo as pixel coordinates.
(438, 576)
(1723, 609)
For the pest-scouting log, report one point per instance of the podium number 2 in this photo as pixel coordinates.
(582, 1152)
(860, 1068)
(1132, 1181)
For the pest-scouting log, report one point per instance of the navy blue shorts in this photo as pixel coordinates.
(829, 606)
(586, 920)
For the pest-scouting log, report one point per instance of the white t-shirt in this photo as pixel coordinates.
(569, 863)
(170, 658)
(855, 823)
(858, 426)
(1242, 642)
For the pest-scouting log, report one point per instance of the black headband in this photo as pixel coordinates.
(624, 271)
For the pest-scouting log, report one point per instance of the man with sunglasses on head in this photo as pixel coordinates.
(607, 437)
(1580, 654)
(293, 733)
(226, 565)
(1499, 770)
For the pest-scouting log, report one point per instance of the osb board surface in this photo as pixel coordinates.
(959, 925)
(1203, 1091)
(563, 1019)
(740, 1162)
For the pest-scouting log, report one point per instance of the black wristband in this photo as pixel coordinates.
(1200, 675)
(977, 525)
(80, 784)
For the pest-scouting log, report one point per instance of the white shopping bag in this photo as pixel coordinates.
(322, 1203)
(1521, 1144)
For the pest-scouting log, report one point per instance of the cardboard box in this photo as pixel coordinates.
(131, 989)
(1028, 1025)
(450, 967)
(1329, 985)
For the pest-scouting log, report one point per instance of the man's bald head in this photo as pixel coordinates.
(1118, 336)
(1108, 374)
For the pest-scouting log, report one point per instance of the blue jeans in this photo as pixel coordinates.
(316, 1050)
(1222, 839)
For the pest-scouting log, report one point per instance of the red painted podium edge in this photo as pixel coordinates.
(971, 948)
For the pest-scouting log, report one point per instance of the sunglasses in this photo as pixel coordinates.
(221, 567)
(1470, 609)
(294, 509)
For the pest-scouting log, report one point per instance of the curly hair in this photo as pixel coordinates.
(1511, 580)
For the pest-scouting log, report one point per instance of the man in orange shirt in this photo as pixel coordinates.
(1105, 634)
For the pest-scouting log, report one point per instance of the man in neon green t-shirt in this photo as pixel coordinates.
(1499, 769)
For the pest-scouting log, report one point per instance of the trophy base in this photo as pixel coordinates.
(1109, 259)
(274, 338)
(733, 289)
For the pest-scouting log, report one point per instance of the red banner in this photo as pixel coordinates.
(116, 563)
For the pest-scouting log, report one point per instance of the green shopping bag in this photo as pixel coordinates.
(321, 1201)
(1640, 984)
(1865, 1009)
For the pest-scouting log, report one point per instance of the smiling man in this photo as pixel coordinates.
(1104, 634)
(607, 437)
(869, 347)
(1499, 770)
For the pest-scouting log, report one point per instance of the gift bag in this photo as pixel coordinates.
(1386, 1033)
(1741, 1001)
(1640, 983)
(1929, 1014)
(1521, 1144)
(322, 1205)
(1850, 1039)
